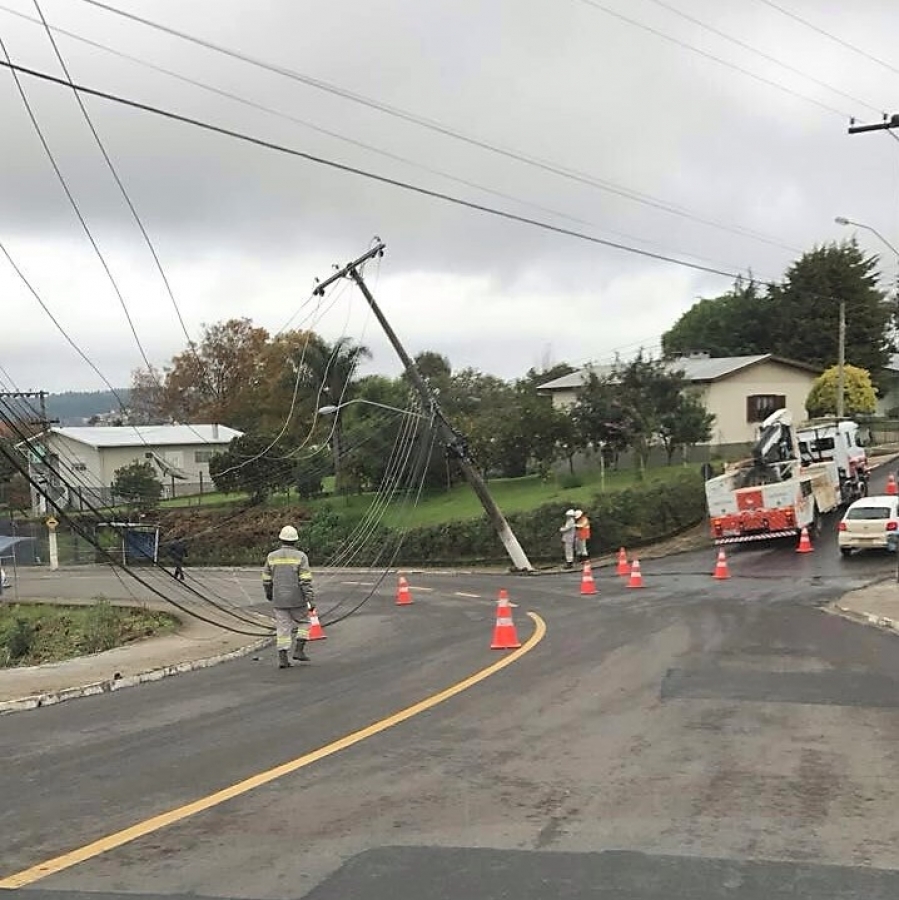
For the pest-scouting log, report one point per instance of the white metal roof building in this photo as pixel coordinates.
(89, 456)
(106, 436)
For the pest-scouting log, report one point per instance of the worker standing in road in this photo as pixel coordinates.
(582, 533)
(567, 530)
(287, 580)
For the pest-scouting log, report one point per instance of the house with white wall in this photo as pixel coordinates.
(741, 391)
(87, 458)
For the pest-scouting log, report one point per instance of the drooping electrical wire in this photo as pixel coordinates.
(363, 173)
(441, 128)
(766, 56)
(835, 38)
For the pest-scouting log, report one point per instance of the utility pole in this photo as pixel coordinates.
(44, 471)
(455, 442)
(885, 125)
(841, 363)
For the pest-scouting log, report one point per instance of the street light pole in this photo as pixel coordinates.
(841, 363)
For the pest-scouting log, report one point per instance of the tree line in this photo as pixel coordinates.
(798, 317)
(273, 389)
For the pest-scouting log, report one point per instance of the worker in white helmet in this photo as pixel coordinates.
(582, 534)
(568, 532)
(287, 581)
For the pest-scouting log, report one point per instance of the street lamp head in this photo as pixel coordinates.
(842, 220)
(327, 410)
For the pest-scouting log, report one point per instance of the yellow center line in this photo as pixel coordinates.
(163, 820)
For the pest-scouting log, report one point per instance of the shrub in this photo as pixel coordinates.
(101, 631)
(17, 640)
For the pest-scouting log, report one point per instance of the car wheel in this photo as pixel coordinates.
(845, 551)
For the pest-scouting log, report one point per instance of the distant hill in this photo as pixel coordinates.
(76, 407)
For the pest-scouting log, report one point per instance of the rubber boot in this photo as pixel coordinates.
(299, 653)
(283, 661)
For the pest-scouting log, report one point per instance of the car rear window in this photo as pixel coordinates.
(869, 512)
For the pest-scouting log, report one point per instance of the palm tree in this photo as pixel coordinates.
(329, 372)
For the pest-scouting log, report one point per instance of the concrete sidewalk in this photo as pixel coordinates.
(196, 645)
(876, 604)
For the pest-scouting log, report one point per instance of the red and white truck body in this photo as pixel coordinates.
(793, 480)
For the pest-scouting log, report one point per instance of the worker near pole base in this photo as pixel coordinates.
(581, 533)
(567, 531)
(287, 580)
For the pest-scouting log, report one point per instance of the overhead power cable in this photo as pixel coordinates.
(78, 528)
(75, 208)
(354, 170)
(835, 38)
(74, 483)
(767, 56)
(393, 182)
(446, 130)
(711, 56)
(121, 186)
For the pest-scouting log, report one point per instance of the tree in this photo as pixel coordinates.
(737, 323)
(602, 416)
(807, 304)
(254, 463)
(651, 390)
(685, 424)
(329, 370)
(146, 405)
(859, 397)
(137, 485)
(798, 318)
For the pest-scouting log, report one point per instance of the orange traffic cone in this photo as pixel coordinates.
(504, 635)
(805, 545)
(623, 566)
(588, 585)
(721, 570)
(891, 485)
(316, 632)
(636, 580)
(403, 594)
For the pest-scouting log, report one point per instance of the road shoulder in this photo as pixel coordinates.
(195, 645)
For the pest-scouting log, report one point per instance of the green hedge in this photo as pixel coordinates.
(631, 517)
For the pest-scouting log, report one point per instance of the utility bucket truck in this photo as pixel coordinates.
(795, 477)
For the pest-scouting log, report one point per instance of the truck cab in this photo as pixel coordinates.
(823, 440)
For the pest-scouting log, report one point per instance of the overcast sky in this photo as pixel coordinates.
(243, 231)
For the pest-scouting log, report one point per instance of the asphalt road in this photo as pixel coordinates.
(697, 739)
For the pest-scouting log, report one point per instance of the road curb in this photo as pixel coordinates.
(883, 622)
(51, 698)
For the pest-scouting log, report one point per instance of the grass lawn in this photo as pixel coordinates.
(32, 633)
(213, 498)
(511, 494)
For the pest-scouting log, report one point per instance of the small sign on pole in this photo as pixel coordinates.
(52, 523)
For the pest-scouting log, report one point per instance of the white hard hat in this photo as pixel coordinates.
(289, 534)
(578, 513)
(570, 513)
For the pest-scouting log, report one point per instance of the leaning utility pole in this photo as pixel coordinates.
(455, 443)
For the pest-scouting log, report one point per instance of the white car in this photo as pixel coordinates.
(4, 581)
(871, 522)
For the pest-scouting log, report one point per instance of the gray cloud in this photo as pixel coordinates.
(243, 230)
